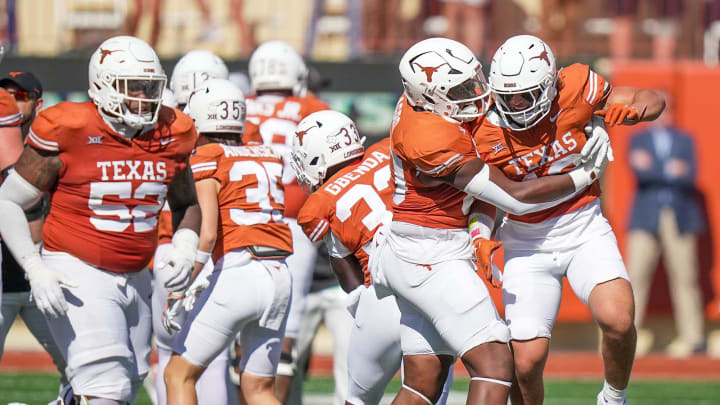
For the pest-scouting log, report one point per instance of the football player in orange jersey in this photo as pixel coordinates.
(11, 140)
(278, 77)
(109, 164)
(351, 197)
(241, 199)
(424, 258)
(189, 72)
(535, 129)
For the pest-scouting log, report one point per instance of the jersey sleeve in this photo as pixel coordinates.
(596, 88)
(10, 116)
(438, 156)
(335, 246)
(314, 217)
(204, 163)
(251, 136)
(46, 129)
(313, 104)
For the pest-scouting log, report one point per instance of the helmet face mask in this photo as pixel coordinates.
(126, 81)
(218, 109)
(523, 66)
(443, 76)
(323, 140)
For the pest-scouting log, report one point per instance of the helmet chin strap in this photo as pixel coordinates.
(120, 127)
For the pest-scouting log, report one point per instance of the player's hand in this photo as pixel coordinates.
(353, 299)
(175, 274)
(597, 145)
(483, 250)
(171, 317)
(193, 292)
(45, 287)
(618, 114)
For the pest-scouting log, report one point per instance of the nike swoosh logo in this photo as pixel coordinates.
(552, 119)
(164, 142)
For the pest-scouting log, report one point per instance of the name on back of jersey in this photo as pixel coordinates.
(132, 170)
(369, 163)
(250, 151)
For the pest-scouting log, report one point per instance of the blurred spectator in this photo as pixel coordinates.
(351, 24)
(247, 40)
(381, 19)
(666, 220)
(209, 31)
(711, 17)
(624, 14)
(558, 24)
(466, 21)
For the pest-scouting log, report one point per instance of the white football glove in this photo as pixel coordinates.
(175, 274)
(172, 317)
(193, 292)
(597, 145)
(589, 172)
(353, 299)
(45, 287)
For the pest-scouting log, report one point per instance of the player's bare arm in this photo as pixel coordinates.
(182, 201)
(11, 145)
(207, 191)
(629, 105)
(41, 169)
(348, 272)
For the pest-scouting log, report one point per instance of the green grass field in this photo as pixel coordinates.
(38, 389)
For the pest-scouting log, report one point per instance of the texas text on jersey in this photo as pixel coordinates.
(338, 204)
(251, 196)
(110, 190)
(271, 120)
(417, 149)
(553, 145)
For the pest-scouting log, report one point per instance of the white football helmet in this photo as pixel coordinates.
(217, 106)
(523, 65)
(127, 81)
(275, 65)
(194, 68)
(322, 140)
(443, 76)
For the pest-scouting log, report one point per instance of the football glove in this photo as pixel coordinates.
(174, 312)
(175, 274)
(597, 144)
(483, 250)
(45, 287)
(618, 114)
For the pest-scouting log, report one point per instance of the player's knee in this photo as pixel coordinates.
(618, 326)
(492, 360)
(179, 371)
(107, 378)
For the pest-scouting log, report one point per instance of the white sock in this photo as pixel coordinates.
(613, 394)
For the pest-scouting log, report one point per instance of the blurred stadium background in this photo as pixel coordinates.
(355, 45)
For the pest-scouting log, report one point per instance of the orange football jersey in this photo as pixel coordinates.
(553, 145)
(165, 231)
(352, 203)
(104, 208)
(10, 116)
(250, 199)
(271, 120)
(423, 142)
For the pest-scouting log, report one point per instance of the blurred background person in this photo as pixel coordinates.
(665, 30)
(466, 21)
(665, 221)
